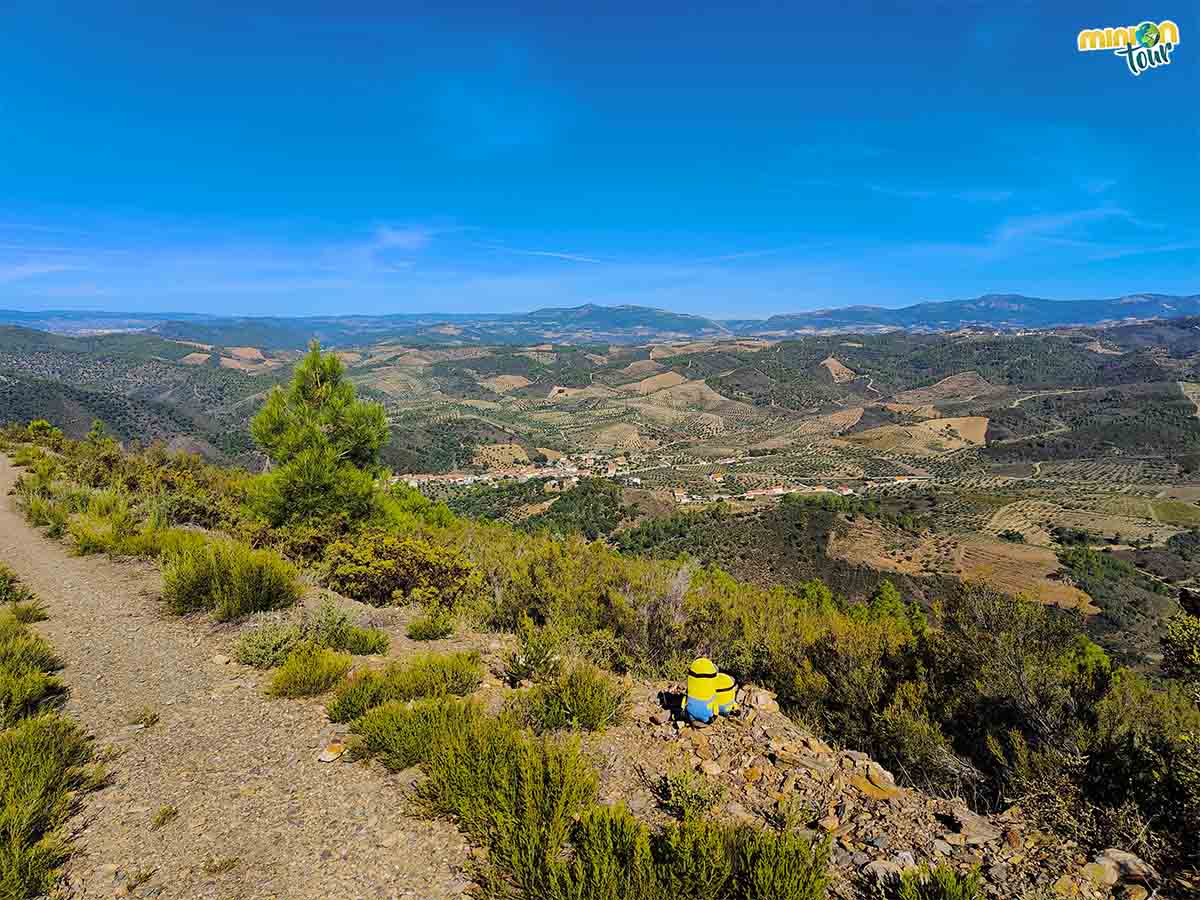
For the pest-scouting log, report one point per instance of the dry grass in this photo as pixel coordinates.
(962, 386)
(838, 371)
(654, 383)
(930, 438)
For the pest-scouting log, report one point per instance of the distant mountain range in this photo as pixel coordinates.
(613, 324)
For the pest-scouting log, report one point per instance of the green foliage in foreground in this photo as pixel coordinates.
(941, 883)
(228, 579)
(309, 670)
(531, 802)
(432, 675)
(27, 663)
(44, 766)
(582, 697)
(45, 759)
(433, 625)
(268, 645)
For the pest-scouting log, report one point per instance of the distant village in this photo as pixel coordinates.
(564, 473)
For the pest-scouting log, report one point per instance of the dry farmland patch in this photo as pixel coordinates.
(838, 371)
(1013, 568)
(502, 384)
(1176, 512)
(654, 383)
(641, 368)
(929, 438)
(500, 455)
(1020, 569)
(253, 354)
(196, 359)
(911, 409)
(1191, 390)
(963, 386)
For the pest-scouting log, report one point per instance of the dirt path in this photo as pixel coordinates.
(240, 768)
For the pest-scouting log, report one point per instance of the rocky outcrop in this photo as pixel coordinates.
(773, 771)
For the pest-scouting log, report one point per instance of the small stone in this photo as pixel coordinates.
(940, 846)
(753, 775)
(879, 842)
(661, 717)
(332, 753)
(1129, 867)
(829, 823)
(221, 659)
(710, 767)
(1012, 838)
(1132, 892)
(1102, 871)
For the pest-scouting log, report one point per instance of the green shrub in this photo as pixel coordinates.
(538, 654)
(696, 859)
(11, 588)
(268, 645)
(687, 795)
(227, 578)
(942, 883)
(432, 675)
(91, 534)
(431, 626)
(44, 767)
(780, 866)
(382, 568)
(43, 512)
(583, 697)
(612, 860)
(402, 734)
(518, 794)
(22, 647)
(331, 627)
(18, 601)
(27, 611)
(309, 670)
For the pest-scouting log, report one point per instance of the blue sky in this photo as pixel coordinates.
(729, 160)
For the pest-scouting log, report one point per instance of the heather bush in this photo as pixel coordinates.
(940, 883)
(433, 625)
(402, 734)
(309, 670)
(432, 675)
(686, 794)
(382, 568)
(45, 766)
(538, 656)
(583, 697)
(227, 578)
(268, 645)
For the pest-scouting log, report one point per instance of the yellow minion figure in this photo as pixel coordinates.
(701, 702)
(726, 693)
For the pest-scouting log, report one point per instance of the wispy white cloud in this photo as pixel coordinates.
(22, 271)
(1052, 225)
(552, 254)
